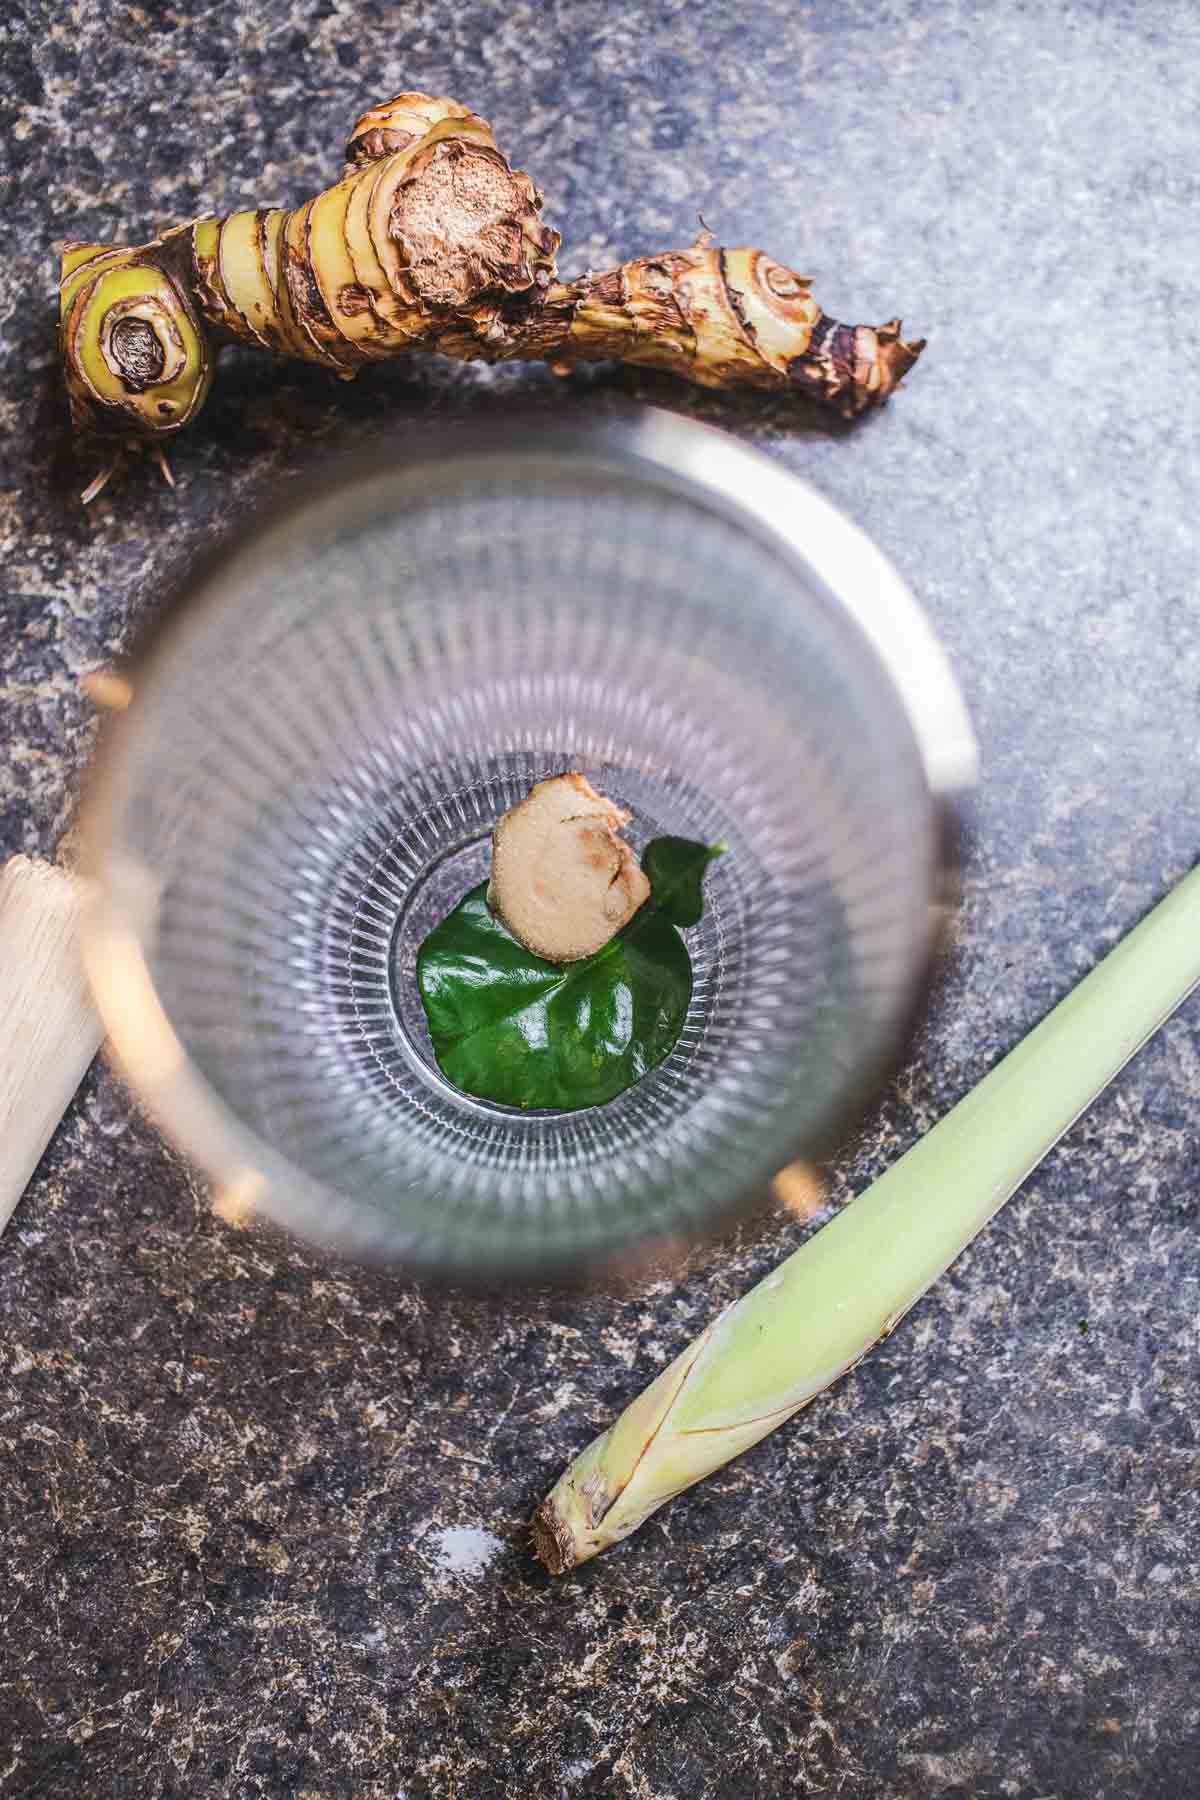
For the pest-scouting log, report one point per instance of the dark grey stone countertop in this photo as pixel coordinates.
(262, 1511)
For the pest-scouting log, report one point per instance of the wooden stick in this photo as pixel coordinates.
(49, 1027)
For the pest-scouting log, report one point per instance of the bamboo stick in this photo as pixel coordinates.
(49, 1027)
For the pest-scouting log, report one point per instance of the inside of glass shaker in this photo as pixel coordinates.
(344, 746)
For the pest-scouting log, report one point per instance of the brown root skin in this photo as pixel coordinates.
(432, 241)
(720, 318)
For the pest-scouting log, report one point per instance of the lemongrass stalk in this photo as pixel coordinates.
(845, 1289)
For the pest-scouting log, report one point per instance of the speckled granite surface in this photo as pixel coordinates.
(261, 1511)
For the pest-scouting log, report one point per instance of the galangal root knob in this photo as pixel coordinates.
(432, 241)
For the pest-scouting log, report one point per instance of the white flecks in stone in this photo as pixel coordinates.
(565, 1395)
(466, 1549)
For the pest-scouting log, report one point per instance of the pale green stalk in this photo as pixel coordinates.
(823, 1309)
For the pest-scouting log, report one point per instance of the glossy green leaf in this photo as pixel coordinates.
(510, 1027)
(675, 867)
